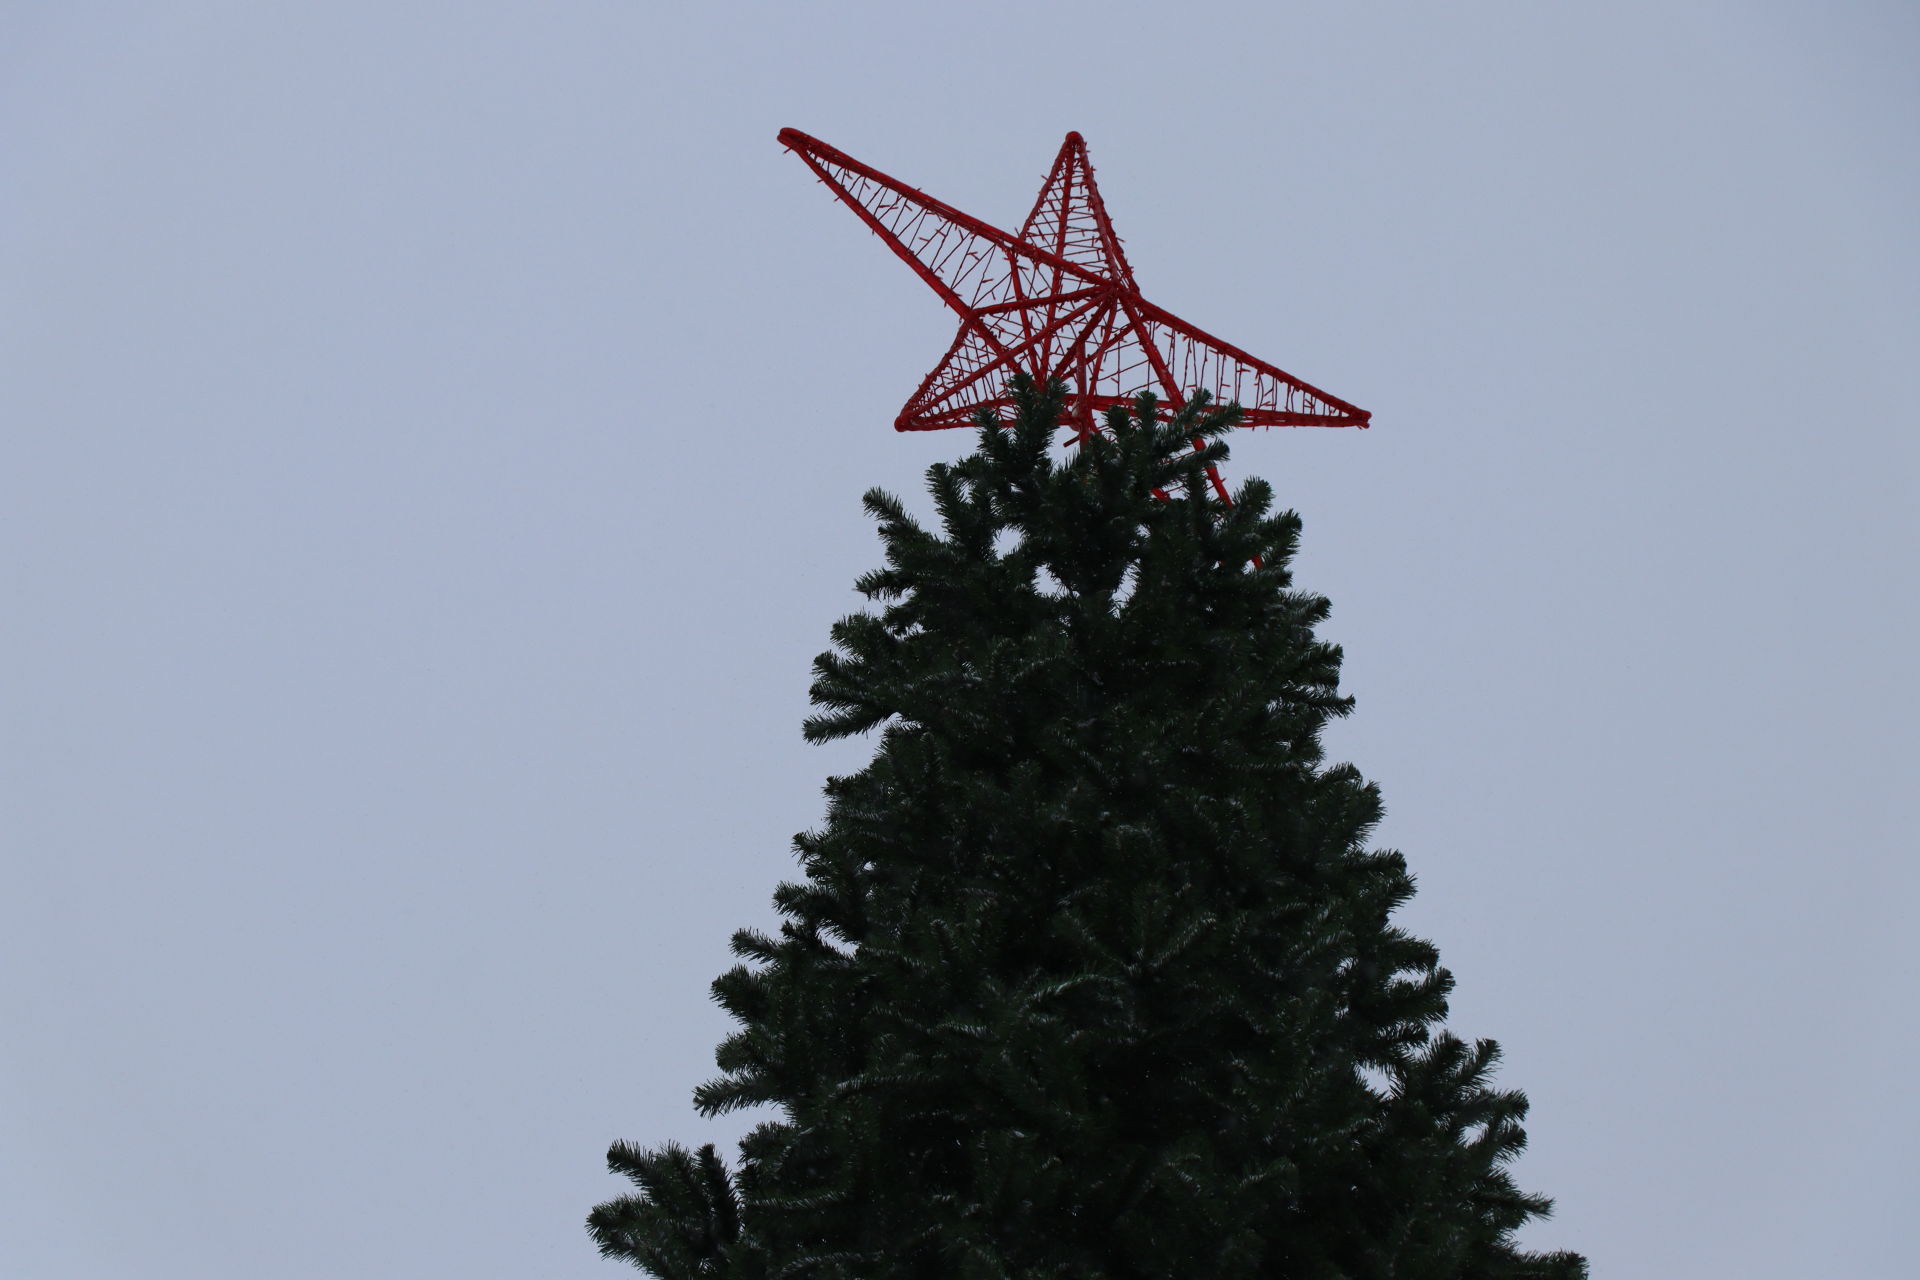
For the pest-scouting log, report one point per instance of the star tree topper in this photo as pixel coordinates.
(1056, 301)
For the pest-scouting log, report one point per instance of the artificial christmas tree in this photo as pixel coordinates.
(1090, 973)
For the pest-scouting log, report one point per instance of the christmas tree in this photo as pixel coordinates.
(1091, 972)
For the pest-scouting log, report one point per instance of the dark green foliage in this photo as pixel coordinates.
(1091, 973)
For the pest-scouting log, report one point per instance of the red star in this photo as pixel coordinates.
(1056, 301)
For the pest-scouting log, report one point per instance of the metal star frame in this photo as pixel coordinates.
(1058, 300)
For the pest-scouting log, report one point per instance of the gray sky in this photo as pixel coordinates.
(433, 441)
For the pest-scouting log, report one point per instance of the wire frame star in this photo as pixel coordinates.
(1058, 300)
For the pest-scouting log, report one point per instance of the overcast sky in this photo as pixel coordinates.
(433, 437)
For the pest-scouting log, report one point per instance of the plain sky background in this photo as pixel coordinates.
(433, 436)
